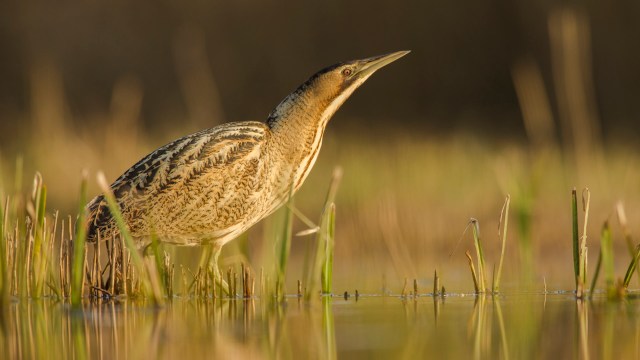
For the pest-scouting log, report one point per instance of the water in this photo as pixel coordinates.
(517, 326)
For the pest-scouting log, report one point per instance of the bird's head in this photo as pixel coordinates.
(330, 87)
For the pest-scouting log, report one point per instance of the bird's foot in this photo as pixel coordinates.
(219, 279)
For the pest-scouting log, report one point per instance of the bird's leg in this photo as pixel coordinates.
(147, 250)
(217, 274)
(313, 228)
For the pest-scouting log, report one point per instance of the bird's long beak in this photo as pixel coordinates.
(372, 64)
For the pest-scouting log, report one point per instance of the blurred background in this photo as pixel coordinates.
(497, 97)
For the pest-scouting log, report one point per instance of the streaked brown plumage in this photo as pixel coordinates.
(209, 187)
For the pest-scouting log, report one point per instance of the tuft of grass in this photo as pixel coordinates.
(576, 241)
(586, 200)
(475, 227)
(162, 280)
(605, 260)
(634, 250)
(606, 249)
(149, 286)
(580, 242)
(319, 264)
(42, 237)
(283, 247)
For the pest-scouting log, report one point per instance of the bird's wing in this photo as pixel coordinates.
(168, 171)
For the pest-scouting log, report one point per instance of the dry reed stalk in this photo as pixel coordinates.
(230, 282)
(69, 254)
(52, 240)
(243, 284)
(534, 103)
(586, 200)
(85, 268)
(125, 266)
(247, 286)
(15, 258)
(94, 270)
(235, 284)
(169, 272)
(184, 281)
(262, 284)
(28, 257)
(221, 289)
(112, 267)
(61, 261)
(98, 280)
(569, 34)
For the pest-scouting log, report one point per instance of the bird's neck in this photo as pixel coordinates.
(297, 126)
(299, 121)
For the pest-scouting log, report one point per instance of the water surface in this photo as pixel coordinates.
(456, 326)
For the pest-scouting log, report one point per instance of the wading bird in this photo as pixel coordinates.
(209, 187)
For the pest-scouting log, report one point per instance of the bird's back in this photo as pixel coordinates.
(208, 186)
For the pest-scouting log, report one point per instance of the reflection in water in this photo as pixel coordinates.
(516, 327)
(329, 329)
(583, 328)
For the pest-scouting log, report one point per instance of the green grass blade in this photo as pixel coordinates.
(632, 267)
(329, 237)
(606, 249)
(596, 273)
(77, 273)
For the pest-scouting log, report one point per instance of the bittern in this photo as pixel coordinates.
(209, 187)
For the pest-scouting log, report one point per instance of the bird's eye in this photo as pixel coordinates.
(346, 72)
